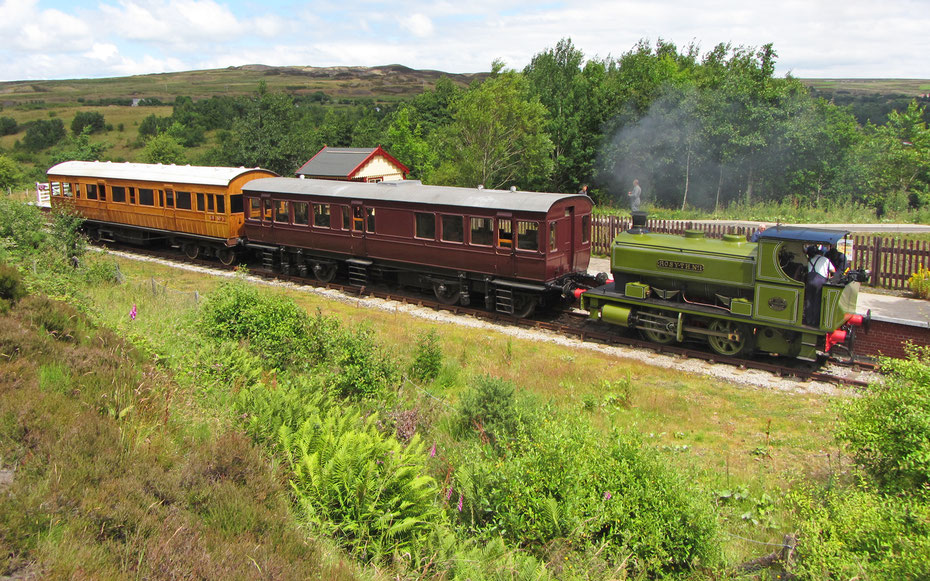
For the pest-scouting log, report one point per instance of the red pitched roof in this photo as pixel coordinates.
(345, 162)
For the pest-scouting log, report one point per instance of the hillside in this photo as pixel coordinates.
(381, 83)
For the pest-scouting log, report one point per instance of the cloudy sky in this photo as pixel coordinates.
(61, 39)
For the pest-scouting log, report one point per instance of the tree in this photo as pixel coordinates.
(497, 137)
(92, 120)
(569, 93)
(10, 174)
(163, 148)
(79, 148)
(405, 141)
(8, 126)
(43, 133)
(266, 135)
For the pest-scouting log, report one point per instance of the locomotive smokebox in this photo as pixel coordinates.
(639, 223)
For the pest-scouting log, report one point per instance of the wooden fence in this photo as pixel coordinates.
(891, 261)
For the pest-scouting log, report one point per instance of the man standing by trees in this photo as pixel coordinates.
(635, 196)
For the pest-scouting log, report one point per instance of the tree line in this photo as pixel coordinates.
(698, 130)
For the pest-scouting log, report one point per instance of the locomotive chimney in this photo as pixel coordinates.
(639, 223)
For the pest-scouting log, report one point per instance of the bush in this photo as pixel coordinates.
(888, 428)
(273, 326)
(91, 120)
(11, 285)
(920, 283)
(489, 409)
(569, 485)
(858, 534)
(428, 361)
(362, 369)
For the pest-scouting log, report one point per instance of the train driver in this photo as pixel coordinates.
(818, 271)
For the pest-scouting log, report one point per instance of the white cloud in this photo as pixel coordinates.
(418, 25)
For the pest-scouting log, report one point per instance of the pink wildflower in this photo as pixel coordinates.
(432, 451)
(608, 496)
(448, 494)
(461, 498)
(132, 313)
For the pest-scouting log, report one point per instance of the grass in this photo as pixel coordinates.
(735, 437)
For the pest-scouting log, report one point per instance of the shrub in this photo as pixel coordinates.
(11, 285)
(275, 327)
(888, 428)
(489, 408)
(920, 283)
(362, 369)
(428, 361)
(856, 533)
(567, 484)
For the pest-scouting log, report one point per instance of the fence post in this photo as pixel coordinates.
(876, 262)
(154, 287)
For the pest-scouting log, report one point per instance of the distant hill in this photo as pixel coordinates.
(388, 82)
(908, 87)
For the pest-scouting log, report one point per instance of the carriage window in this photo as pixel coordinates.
(346, 218)
(220, 204)
(301, 213)
(585, 228)
(209, 202)
(481, 233)
(527, 235)
(453, 229)
(67, 190)
(266, 210)
(425, 225)
(321, 215)
(132, 195)
(119, 193)
(504, 233)
(201, 205)
(255, 209)
(371, 220)
(235, 203)
(146, 197)
(281, 211)
(91, 191)
(103, 192)
(182, 200)
(553, 239)
(169, 198)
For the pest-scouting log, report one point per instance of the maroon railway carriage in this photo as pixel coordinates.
(515, 250)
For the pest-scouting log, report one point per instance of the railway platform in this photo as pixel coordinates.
(896, 320)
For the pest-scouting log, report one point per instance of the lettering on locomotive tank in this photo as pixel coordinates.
(677, 265)
(778, 304)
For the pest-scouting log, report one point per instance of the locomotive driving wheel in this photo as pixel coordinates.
(738, 339)
(656, 335)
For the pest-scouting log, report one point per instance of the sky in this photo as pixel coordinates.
(66, 39)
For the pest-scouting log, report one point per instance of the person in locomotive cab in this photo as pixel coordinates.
(584, 190)
(819, 270)
(837, 259)
(635, 196)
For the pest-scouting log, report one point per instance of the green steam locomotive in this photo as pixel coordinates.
(736, 295)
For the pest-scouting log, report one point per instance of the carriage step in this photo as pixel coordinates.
(268, 260)
(504, 298)
(358, 271)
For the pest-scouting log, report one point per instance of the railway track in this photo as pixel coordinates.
(569, 323)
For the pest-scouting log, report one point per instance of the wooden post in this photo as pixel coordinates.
(876, 262)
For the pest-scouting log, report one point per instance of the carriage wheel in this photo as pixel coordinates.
(524, 305)
(445, 293)
(324, 272)
(226, 256)
(191, 250)
(655, 335)
(737, 343)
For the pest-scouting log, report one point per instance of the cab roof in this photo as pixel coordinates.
(802, 234)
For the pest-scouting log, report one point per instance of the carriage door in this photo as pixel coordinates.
(566, 237)
(267, 217)
(358, 228)
(505, 260)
